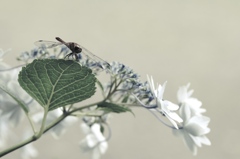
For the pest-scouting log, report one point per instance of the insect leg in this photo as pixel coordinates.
(77, 59)
(67, 56)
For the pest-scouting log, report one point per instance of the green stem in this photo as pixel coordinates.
(128, 104)
(31, 123)
(43, 122)
(15, 147)
(114, 90)
(29, 140)
(44, 129)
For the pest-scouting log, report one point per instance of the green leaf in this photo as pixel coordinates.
(110, 107)
(125, 99)
(57, 83)
(19, 101)
(102, 129)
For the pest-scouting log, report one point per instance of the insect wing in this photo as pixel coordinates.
(47, 44)
(100, 62)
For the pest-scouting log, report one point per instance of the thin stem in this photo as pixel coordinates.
(58, 120)
(155, 108)
(86, 114)
(12, 68)
(29, 119)
(31, 123)
(44, 129)
(145, 106)
(109, 132)
(29, 140)
(115, 88)
(43, 122)
(161, 119)
(101, 87)
(70, 107)
(127, 104)
(15, 147)
(111, 86)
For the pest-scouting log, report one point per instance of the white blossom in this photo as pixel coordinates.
(184, 98)
(189, 124)
(165, 106)
(193, 130)
(94, 141)
(4, 131)
(9, 106)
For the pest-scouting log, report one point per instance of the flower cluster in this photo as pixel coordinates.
(43, 53)
(188, 123)
(123, 82)
(194, 126)
(11, 114)
(123, 90)
(94, 142)
(180, 115)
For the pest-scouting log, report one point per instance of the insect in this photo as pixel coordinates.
(76, 50)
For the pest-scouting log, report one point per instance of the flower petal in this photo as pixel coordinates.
(170, 106)
(190, 143)
(185, 113)
(160, 90)
(195, 128)
(175, 117)
(91, 140)
(151, 84)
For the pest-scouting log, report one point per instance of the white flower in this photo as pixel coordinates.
(94, 142)
(165, 106)
(184, 98)
(4, 131)
(8, 105)
(193, 130)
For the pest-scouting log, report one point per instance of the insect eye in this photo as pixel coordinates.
(77, 49)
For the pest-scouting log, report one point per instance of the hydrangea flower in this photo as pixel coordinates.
(194, 129)
(166, 107)
(162, 106)
(4, 131)
(94, 141)
(184, 98)
(124, 88)
(9, 106)
(126, 81)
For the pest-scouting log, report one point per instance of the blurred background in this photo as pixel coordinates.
(178, 41)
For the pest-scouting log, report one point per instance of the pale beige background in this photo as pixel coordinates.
(181, 41)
